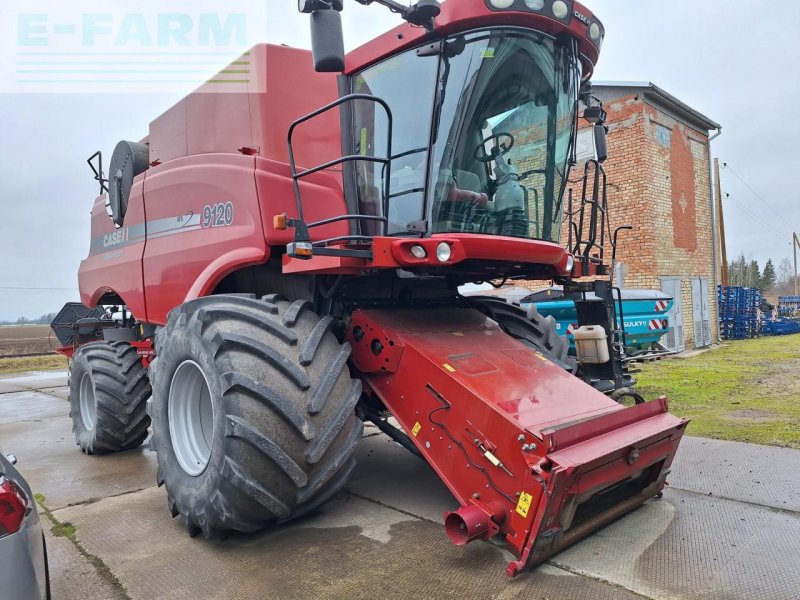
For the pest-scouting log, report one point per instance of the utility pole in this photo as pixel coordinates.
(795, 246)
(721, 226)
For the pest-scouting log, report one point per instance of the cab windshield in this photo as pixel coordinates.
(482, 135)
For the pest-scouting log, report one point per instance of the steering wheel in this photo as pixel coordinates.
(498, 150)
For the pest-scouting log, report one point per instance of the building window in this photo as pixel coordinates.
(698, 149)
(663, 135)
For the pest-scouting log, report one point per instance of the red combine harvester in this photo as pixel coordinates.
(278, 262)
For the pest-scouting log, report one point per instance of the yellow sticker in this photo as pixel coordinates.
(415, 429)
(524, 504)
(487, 53)
(449, 368)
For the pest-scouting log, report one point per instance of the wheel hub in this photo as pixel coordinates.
(88, 407)
(191, 417)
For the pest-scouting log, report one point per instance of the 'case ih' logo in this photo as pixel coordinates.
(582, 17)
(120, 236)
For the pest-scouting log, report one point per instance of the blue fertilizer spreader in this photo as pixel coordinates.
(644, 316)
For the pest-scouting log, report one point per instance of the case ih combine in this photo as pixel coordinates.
(281, 263)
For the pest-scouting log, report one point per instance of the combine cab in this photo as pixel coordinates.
(284, 260)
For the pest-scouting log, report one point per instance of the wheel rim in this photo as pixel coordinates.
(87, 403)
(191, 417)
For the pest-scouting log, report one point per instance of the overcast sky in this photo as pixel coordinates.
(734, 62)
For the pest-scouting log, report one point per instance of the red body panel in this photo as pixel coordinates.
(460, 387)
(393, 253)
(114, 263)
(185, 259)
(322, 198)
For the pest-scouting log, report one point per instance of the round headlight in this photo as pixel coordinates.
(418, 251)
(560, 9)
(444, 252)
(535, 4)
(501, 3)
(594, 31)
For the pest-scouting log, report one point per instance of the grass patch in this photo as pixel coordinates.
(65, 529)
(53, 362)
(746, 391)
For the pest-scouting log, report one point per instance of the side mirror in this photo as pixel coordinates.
(327, 41)
(600, 143)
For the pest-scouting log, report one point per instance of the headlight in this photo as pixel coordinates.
(418, 252)
(570, 262)
(501, 3)
(444, 252)
(594, 31)
(560, 9)
(535, 4)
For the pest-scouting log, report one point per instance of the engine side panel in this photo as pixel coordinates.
(204, 221)
(322, 197)
(115, 255)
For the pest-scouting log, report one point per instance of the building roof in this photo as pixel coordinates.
(657, 96)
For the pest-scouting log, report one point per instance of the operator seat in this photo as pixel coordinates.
(462, 203)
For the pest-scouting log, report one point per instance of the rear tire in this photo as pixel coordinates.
(107, 394)
(529, 327)
(274, 427)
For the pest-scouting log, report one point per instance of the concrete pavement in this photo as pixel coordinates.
(728, 527)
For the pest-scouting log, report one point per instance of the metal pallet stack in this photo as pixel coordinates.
(738, 312)
(788, 306)
(780, 326)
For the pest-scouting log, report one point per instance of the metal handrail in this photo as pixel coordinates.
(599, 209)
(339, 161)
(344, 238)
(346, 218)
(386, 162)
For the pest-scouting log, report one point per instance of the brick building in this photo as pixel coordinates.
(659, 182)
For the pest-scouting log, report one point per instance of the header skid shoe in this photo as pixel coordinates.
(529, 451)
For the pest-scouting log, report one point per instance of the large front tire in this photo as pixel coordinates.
(107, 395)
(253, 412)
(529, 327)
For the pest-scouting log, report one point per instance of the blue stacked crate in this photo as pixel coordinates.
(781, 326)
(788, 305)
(738, 312)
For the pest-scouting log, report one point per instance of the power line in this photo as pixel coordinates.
(757, 195)
(758, 220)
(754, 216)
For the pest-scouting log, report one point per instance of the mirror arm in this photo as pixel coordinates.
(421, 14)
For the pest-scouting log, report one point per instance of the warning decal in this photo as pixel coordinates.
(524, 504)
